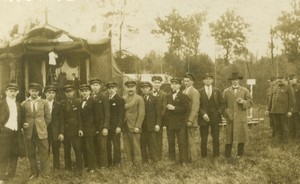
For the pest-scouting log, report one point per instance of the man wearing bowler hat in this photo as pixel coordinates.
(101, 137)
(10, 125)
(56, 126)
(91, 116)
(192, 119)
(162, 98)
(175, 119)
(211, 109)
(37, 118)
(281, 105)
(117, 105)
(294, 122)
(237, 100)
(134, 117)
(273, 84)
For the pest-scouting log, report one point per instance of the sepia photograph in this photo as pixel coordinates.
(150, 92)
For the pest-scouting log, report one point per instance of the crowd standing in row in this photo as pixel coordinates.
(92, 125)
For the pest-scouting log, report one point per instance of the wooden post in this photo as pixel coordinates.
(88, 69)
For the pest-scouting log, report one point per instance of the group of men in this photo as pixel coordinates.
(93, 124)
(283, 108)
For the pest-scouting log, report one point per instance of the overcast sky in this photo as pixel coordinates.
(77, 17)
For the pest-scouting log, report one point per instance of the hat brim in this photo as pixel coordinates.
(235, 78)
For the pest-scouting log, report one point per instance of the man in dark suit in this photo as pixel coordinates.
(91, 121)
(294, 124)
(73, 129)
(10, 124)
(101, 137)
(175, 119)
(151, 124)
(281, 105)
(162, 98)
(211, 108)
(117, 110)
(56, 126)
(272, 82)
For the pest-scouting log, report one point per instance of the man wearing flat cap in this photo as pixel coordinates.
(175, 119)
(101, 137)
(56, 126)
(281, 105)
(237, 100)
(162, 98)
(151, 124)
(294, 122)
(92, 119)
(134, 117)
(37, 118)
(117, 105)
(211, 109)
(272, 84)
(192, 120)
(10, 125)
(71, 108)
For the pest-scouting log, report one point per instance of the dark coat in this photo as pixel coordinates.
(91, 117)
(296, 89)
(4, 114)
(103, 104)
(152, 113)
(56, 125)
(71, 117)
(215, 112)
(176, 119)
(117, 112)
(162, 98)
(282, 100)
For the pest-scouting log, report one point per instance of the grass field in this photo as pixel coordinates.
(264, 162)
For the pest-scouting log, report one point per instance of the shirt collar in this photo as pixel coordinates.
(111, 96)
(34, 100)
(235, 87)
(9, 100)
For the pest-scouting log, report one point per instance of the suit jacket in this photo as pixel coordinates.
(91, 116)
(134, 111)
(40, 119)
(117, 110)
(71, 117)
(56, 125)
(176, 119)
(4, 114)
(152, 113)
(282, 100)
(162, 98)
(296, 89)
(194, 103)
(205, 108)
(103, 104)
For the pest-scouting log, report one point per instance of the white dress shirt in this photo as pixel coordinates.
(175, 94)
(208, 90)
(12, 122)
(187, 89)
(50, 105)
(34, 102)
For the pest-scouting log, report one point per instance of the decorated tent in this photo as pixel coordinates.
(48, 55)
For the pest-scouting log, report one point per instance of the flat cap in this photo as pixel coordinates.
(111, 84)
(12, 86)
(85, 87)
(190, 76)
(50, 88)
(130, 83)
(154, 78)
(69, 87)
(206, 75)
(34, 86)
(146, 84)
(176, 80)
(93, 81)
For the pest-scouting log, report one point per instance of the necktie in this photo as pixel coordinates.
(83, 103)
(68, 105)
(33, 108)
(208, 92)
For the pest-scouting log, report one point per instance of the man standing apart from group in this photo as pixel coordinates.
(211, 109)
(272, 82)
(134, 117)
(237, 100)
(37, 118)
(192, 118)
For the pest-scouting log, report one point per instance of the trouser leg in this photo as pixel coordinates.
(128, 145)
(153, 146)
(56, 154)
(42, 146)
(192, 144)
(31, 148)
(117, 148)
(67, 153)
(204, 137)
(144, 145)
(137, 156)
(76, 144)
(171, 144)
(181, 135)
(160, 143)
(215, 132)
(109, 148)
(90, 152)
(102, 140)
(5, 144)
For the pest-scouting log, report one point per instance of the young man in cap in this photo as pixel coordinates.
(272, 83)
(134, 117)
(101, 137)
(91, 116)
(162, 98)
(37, 118)
(175, 119)
(10, 124)
(56, 126)
(211, 109)
(117, 105)
(294, 124)
(281, 104)
(192, 119)
(237, 100)
(151, 124)
(73, 129)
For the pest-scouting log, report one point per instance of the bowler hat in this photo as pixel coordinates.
(111, 84)
(176, 80)
(206, 75)
(235, 76)
(154, 78)
(85, 87)
(146, 84)
(190, 76)
(34, 86)
(50, 88)
(12, 86)
(130, 83)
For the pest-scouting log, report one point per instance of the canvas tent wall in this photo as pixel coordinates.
(25, 59)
